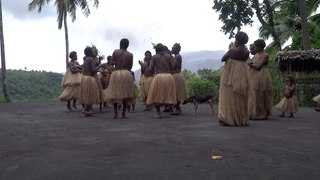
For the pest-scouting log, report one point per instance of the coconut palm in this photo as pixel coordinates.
(64, 7)
(288, 23)
(304, 25)
(3, 60)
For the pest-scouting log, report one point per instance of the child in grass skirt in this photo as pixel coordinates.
(288, 104)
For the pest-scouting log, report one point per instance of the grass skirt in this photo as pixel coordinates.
(89, 91)
(235, 89)
(180, 87)
(261, 103)
(121, 87)
(71, 85)
(162, 90)
(104, 96)
(142, 82)
(147, 83)
(70, 92)
(288, 105)
(316, 98)
(70, 78)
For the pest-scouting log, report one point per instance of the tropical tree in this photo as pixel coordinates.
(304, 25)
(235, 14)
(3, 60)
(279, 19)
(64, 7)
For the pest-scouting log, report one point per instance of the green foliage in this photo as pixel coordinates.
(234, 14)
(206, 81)
(2, 100)
(33, 85)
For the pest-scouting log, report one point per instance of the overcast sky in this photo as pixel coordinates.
(32, 40)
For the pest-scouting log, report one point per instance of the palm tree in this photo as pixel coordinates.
(304, 25)
(63, 8)
(3, 60)
(288, 23)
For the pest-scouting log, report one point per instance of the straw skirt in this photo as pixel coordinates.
(316, 98)
(121, 87)
(288, 105)
(89, 90)
(262, 101)
(180, 87)
(71, 85)
(235, 89)
(142, 94)
(162, 90)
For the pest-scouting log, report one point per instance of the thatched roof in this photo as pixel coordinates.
(299, 61)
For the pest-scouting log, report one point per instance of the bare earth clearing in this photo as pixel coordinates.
(41, 140)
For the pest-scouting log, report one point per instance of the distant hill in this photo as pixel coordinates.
(196, 60)
(32, 85)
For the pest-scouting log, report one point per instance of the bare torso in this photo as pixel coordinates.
(123, 60)
(160, 63)
(89, 66)
(176, 63)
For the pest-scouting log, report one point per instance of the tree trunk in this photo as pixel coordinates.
(3, 60)
(270, 24)
(304, 25)
(66, 37)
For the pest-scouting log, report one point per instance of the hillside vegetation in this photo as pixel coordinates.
(32, 85)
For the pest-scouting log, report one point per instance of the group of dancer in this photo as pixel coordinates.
(113, 82)
(245, 86)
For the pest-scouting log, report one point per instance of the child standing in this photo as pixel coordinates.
(288, 104)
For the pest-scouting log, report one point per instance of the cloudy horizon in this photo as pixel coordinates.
(32, 39)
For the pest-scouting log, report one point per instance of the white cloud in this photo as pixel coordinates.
(38, 44)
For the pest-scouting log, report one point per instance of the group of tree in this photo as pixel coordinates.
(281, 20)
(33, 85)
(64, 8)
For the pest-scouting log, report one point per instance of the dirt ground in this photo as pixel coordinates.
(43, 141)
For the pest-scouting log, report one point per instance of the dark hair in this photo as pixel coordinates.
(73, 54)
(147, 52)
(291, 78)
(242, 37)
(124, 43)
(160, 48)
(260, 43)
(177, 45)
(88, 52)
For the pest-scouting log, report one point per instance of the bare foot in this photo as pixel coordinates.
(222, 123)
(281, 115)
(176, 113)
(157, 116)
(87, 113)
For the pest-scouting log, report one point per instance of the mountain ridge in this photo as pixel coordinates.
(195, 60)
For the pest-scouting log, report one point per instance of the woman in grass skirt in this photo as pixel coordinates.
(71, 81)
(162, 89)
(90, 87)
(235, 86)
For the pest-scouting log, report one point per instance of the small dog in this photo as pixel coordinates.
(199, 99)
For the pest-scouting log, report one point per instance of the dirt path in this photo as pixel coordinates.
(41, 140)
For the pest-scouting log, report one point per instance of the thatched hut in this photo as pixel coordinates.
(300, 62)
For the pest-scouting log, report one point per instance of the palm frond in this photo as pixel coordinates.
(61, 11)
(37, 3)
